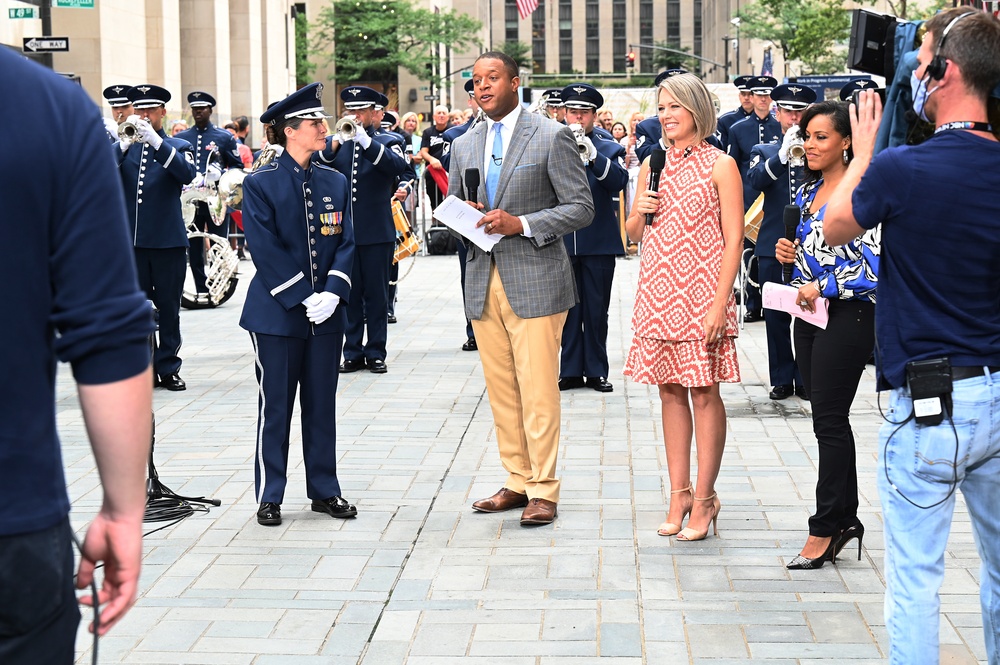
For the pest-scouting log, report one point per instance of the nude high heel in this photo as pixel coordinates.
(690, 534)
(669, 528)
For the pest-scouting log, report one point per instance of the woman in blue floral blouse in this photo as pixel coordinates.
(831, 360)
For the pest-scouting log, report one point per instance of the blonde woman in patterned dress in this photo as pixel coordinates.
(685, 312)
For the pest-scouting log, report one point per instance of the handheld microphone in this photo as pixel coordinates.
(472, 184)
(790, 217)
(657, 160)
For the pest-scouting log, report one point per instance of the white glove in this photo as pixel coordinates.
(212, 173)
(124, 144)
(148, 134)
(591, 148)
(199, 181)
(322, 308)
(791, 136)
(363, 139)
(110, 126)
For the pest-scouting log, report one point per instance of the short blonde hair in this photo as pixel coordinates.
(690, 92)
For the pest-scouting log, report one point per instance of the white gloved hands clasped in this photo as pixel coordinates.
(591, 148)
(110, 126)
(148, 134)
(321, 306)
(791, 137)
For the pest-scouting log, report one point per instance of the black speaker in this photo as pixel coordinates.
(525, 97)
(871, 48)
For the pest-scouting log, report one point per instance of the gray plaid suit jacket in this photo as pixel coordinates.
(543, 179)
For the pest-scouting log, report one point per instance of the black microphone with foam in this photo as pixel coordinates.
(791, 217)
(657, 160)
(472, 185)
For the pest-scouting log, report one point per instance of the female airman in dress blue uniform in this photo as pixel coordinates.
(297, 218)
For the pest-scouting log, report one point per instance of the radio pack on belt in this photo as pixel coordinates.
(930, 388)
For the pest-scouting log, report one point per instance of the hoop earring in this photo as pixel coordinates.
(845, 157)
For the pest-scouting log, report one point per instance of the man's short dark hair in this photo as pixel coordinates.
(242, 122)
(508, 62)
(973, 43)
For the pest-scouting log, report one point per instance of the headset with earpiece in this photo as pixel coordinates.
(938, 65)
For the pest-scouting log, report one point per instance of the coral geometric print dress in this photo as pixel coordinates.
(678, 276)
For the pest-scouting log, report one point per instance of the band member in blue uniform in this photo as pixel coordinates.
(154, 168)
(121, 108)
(758, 127)
(552, 102)
(648, 133)
(727, 120)
(592, 249)
(373, 162)
(297, 218)
(777, 176)
(463, 252)
(215, 150)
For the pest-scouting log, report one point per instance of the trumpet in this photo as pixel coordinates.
(581, 141)
(347, 128)
(797, 149)
(128, 132)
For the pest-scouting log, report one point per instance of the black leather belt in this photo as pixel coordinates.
(959, 373)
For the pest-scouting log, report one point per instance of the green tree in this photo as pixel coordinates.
(303, 67)
(901, 9)
(519, 51)
(805, 30)
(671, 60)
(370, 40)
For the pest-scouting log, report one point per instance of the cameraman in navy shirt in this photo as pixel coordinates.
(938, 299)
(71, 295)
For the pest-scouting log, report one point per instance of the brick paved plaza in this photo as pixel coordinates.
(419, 578)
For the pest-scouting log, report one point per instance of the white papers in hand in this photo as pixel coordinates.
(458, 215)
(784, 298)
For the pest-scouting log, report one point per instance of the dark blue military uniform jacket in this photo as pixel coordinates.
(449, 136)
(743, 136)
(726, 121)
(648, 134)
(607, 178)
(153, 180)
(212, 144)
(284, 210)
(778, 182)
(373, 175)
(410, 174)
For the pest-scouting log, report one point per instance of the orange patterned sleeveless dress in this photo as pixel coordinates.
(678, 277)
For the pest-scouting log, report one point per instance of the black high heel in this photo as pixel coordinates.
(803, 563)
(849, 534)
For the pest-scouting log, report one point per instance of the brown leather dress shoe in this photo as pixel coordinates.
(503, 500)
(539, 511)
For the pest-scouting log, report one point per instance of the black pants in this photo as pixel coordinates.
(831, 362)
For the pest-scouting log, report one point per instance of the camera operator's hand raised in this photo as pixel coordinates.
(865, 120)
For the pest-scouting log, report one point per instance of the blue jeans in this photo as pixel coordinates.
(919, 462)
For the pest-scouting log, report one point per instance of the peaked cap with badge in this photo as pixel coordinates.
(307, 103)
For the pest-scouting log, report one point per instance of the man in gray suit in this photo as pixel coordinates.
(534, 191)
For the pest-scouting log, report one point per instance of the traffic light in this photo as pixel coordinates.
(630, 60)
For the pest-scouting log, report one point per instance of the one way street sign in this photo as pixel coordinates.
(45, 44)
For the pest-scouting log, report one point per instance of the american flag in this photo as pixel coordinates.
(525, 7)
(767, 69)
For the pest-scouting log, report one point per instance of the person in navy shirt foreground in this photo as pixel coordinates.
(297, 218)
(72, 296)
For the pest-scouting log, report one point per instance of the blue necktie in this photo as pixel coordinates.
(493, 172)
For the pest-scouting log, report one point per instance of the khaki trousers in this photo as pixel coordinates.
(521, 366)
